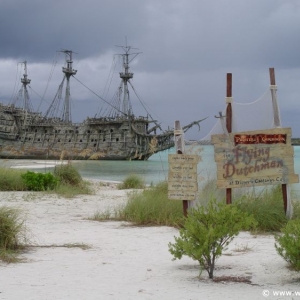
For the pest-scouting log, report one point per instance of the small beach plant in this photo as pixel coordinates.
(39, 181)
(266, 206)
(71, 182)
(150, 206)
(69, 191)
(132, 181)
(68, 174)
(10, 180)
(12, 233)
(207, 231)
(288, 243)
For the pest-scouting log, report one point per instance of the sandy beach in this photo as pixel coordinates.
(128, 262)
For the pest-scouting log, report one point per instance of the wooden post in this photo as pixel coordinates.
(179, 145)
(229, 122)
(277, 124)
(274, 98)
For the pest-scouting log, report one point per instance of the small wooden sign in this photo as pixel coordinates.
(254, 158)
(182, 179)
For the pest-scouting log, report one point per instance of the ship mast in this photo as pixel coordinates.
(69, 71)
(55, 110)
(125, 105)
(23, 92)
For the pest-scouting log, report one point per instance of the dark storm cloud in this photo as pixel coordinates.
(210, 34)
(188, 47)
(36, 29)
(175, 35)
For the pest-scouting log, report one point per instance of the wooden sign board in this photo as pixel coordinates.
(178, 195)
(182, 179)
(254, 158)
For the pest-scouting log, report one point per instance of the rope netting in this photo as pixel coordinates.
(257, 115)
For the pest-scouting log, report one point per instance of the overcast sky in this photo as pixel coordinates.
(187, 47)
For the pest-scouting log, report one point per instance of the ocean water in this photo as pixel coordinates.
(152, 171)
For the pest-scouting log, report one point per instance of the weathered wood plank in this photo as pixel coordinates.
(222, 154)
(183, 158)
(188, 168)
(222, 138)
(177, 176)
(183, 186)
(258, 181)
(179, 195)
(232, 171)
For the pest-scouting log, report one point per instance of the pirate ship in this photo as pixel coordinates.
(119, 135)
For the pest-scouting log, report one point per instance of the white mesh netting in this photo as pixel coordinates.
(259, 114)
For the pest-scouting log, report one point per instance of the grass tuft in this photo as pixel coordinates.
(266, 205)
(132, 181)
(267, 208)
(67, 174)
(105, 215)
(150, 207)
(11, 180)
(69, 191)
(12, 233)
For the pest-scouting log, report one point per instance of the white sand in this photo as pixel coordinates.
(126, 262)
(38, 164)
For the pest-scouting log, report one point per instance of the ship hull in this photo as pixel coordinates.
(25, 135)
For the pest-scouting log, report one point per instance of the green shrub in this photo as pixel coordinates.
(12, 232)
(288, 243)
(39, 181)
(132, 182)
(68, 174)
(207, 231)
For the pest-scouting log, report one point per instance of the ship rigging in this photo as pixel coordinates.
(118, 135)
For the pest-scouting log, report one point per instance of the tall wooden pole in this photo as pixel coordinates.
(277, 124)
(179, 145)
(229, 122)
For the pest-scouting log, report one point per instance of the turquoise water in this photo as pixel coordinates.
(152, 171)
